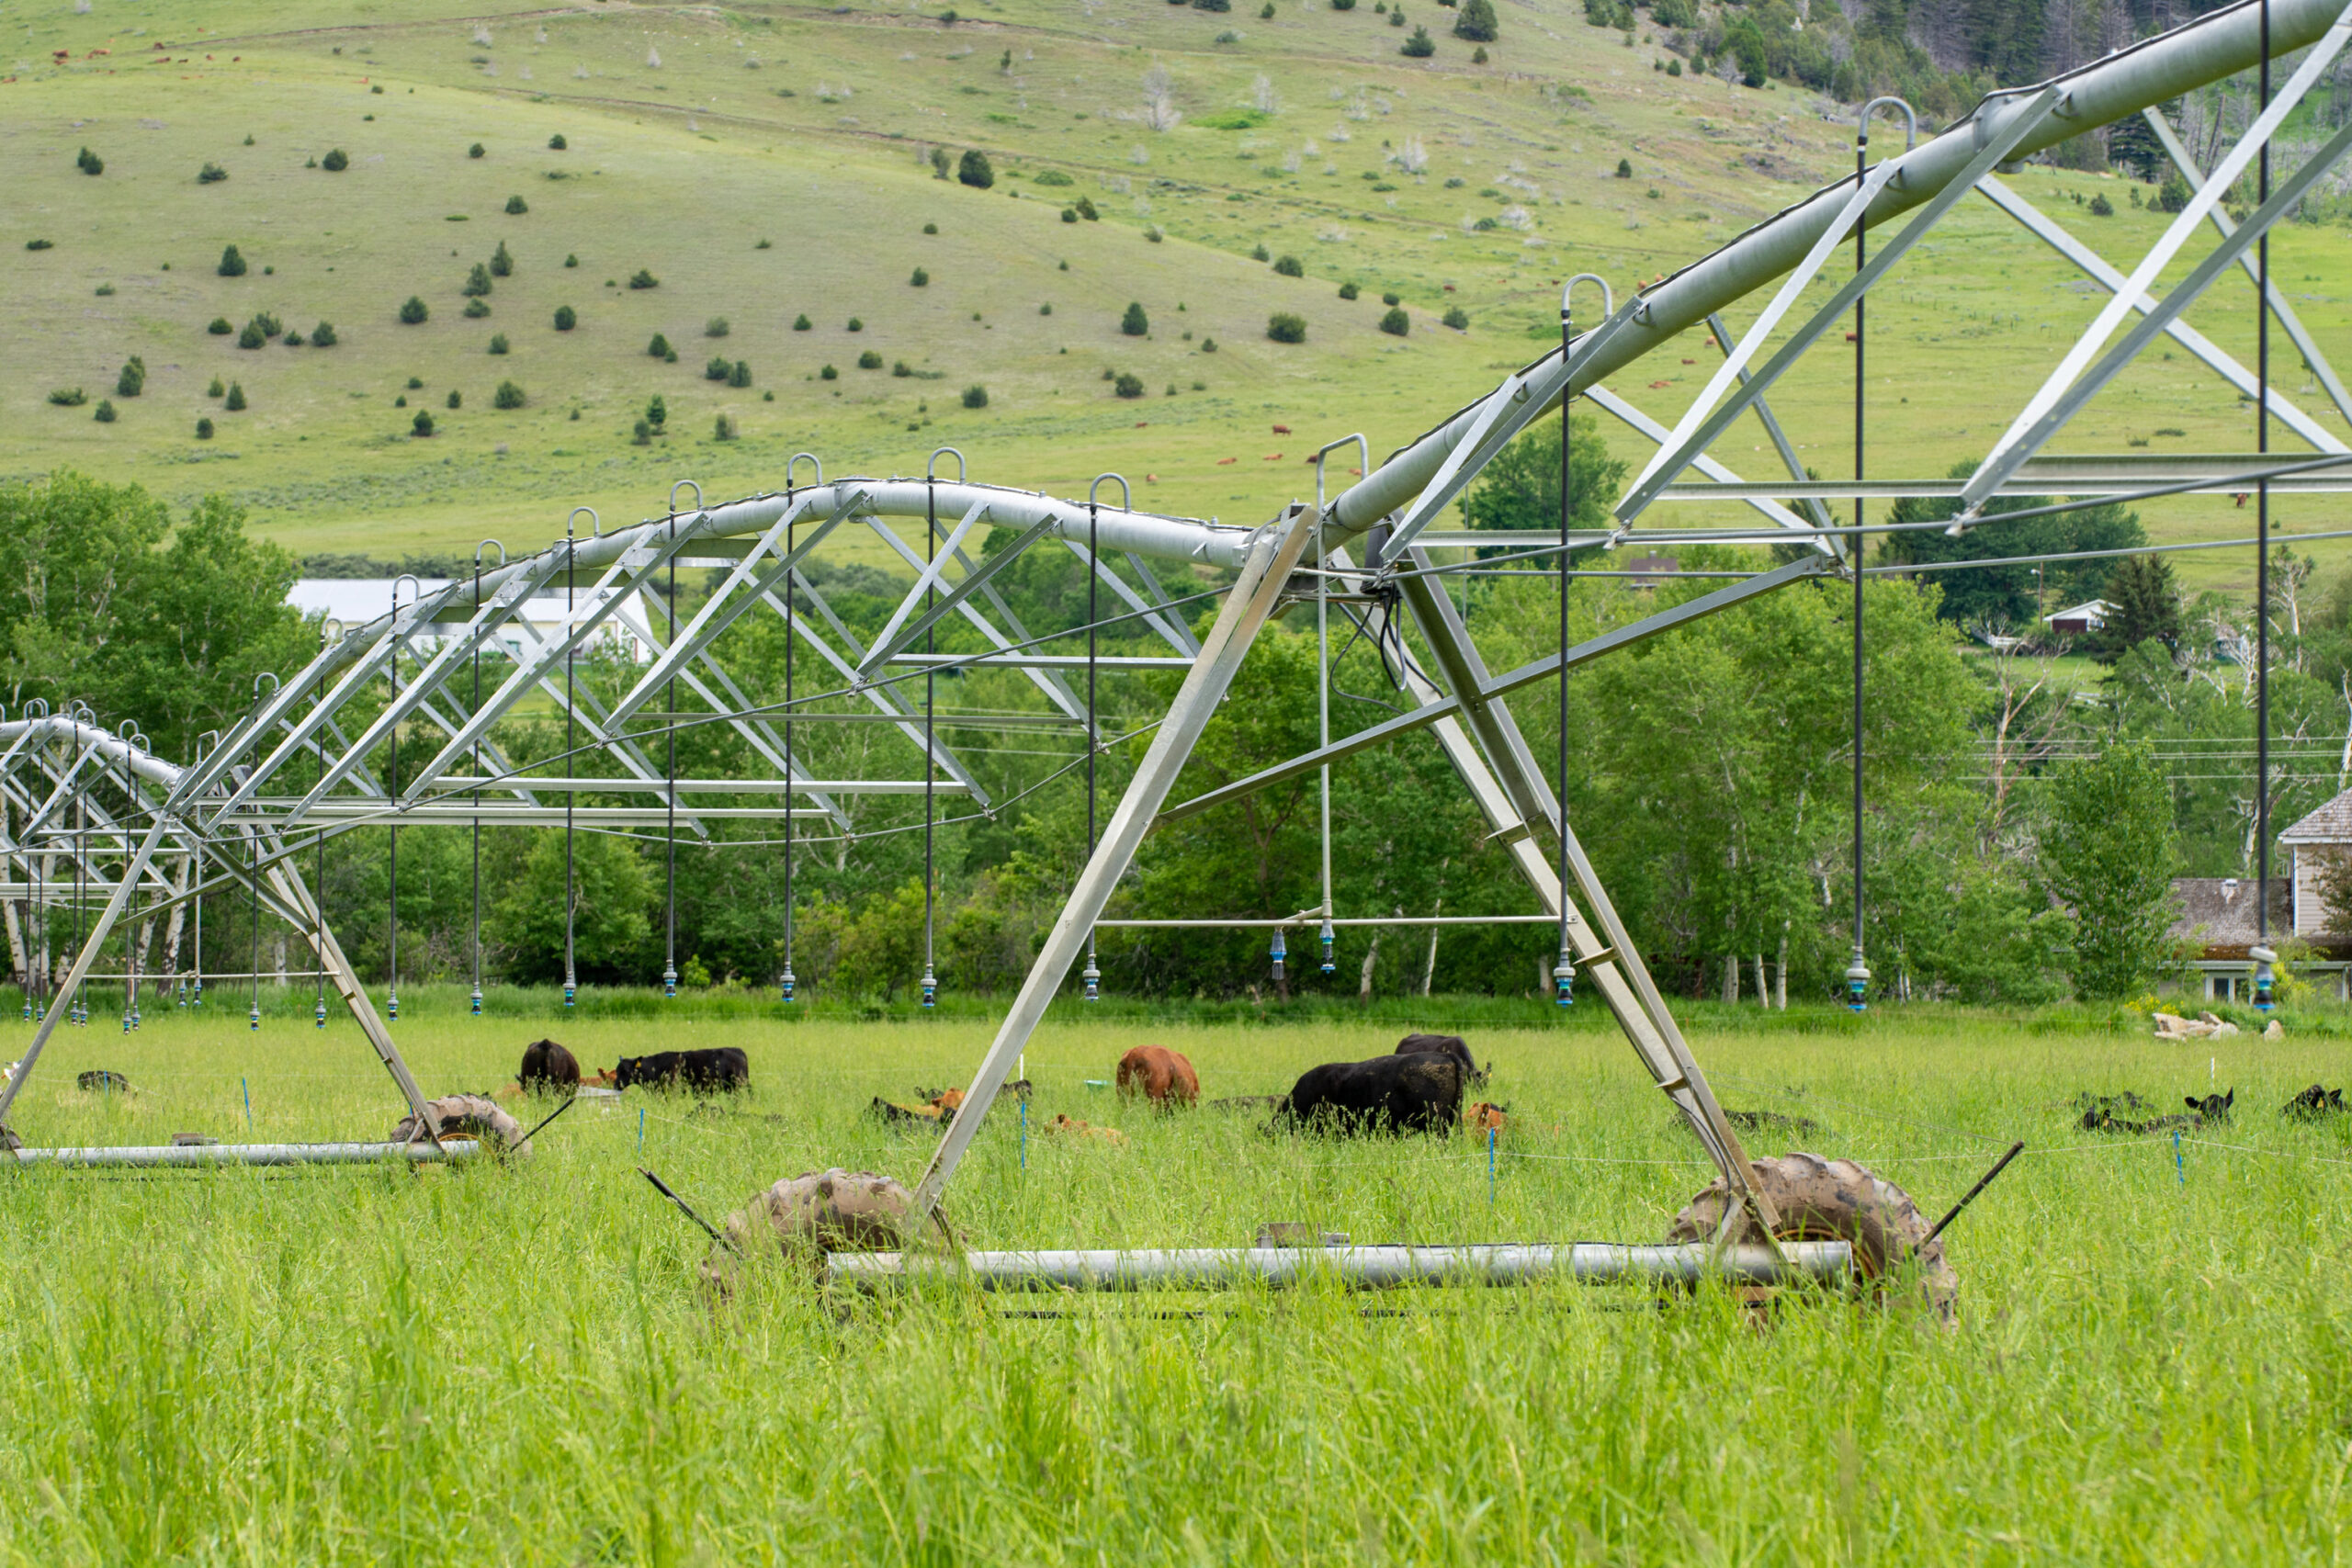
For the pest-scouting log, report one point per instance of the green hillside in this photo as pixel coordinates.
(768, 162)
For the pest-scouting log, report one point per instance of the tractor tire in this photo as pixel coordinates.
(808, 1216)
(475, 1116)
(1824, 1200)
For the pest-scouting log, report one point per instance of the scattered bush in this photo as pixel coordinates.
(335, 162)
(566, 318)
(401, 401)
(476, 310)
(508, 396)
(1289, 266)
(1343, 5)
(869, 360)
(293, 340)
(477, 281)
(1673, 66)
(236, 401)
(1479, 57)
(717, 369)
(976, 171)
(456, 398)
(716, 327)
(1392, 298)
(89, 162)
(723, 428)
(976, 396)
(918, 278)
(216, 388)
(556, 143)
(741, 375)
(1070, 215)
(1209, 345)
(51, 245)
(642, 435)
(475, 151)
(657, 410)
(801, 323)
(323, 336)
(210, 174)
(642, 278)
(252, 337)
(422, 424)
(105, 291)
(1084, 208)
(1420, 46)
(1283, 327)
(1134, 323)
(570, 260)
(132, 378)
(855, 325)
(502, 262)
(1126, 385)
(659, 347)
(516, 207)
(2174, 194)
(498, 343)
(828, 374)
(204, 430)
(1396, 323)
(1457, 318)
(105, 411)
(2101, 207)
(941, 161)
(934, 228)
(1259, 252)
(231, 264)
(220, 327)
(1346, 291)
(413, 383)
(1624, 168)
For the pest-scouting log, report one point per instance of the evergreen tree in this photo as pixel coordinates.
(1134, 323)
(2146, 607)
(231, 264)
(1477, 21)
(975, 170)
(502, 262)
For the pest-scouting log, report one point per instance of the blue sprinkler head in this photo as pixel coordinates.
(930, 988)
(179, 994)
(786, 984)
(567, 995)
(126, 1023)
(1563, 979)
(476, 1001)
(1280, 953)
(319, 1013)
(134, 1016)
(28, 1007)
(394, 1008)
(2265, 977)
(669, 983)
(1327, 947)
(1858, 984)
(253, 1016)
(1093, 978)
(195, 995)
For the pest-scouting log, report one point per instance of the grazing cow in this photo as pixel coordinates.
(890, 1113)
(1449, 1045)
(1070, 1127)
(1483, 1118)
(1416, 1093)
(100, 1081)
(2313, 1103)
(2213, 1106)
(548, 1068)
(722, 1070)
(1160, 1074)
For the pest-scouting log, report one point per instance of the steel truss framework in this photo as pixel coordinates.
(89, 813)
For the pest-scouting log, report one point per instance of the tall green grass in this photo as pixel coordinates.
(514, 1364)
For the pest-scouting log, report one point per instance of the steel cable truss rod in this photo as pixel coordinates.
(2071, 385)
(1626, 413)
(2186, 161)
(1511, 681)
(2207, 50)
(1722, 332)
(2047, 229)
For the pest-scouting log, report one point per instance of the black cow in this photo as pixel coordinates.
(2312, 1104)
(722, 1070)
(2213, 1106)
(99, 1080)
(1448, 1045)
(549, 1068)
(1419, 1092)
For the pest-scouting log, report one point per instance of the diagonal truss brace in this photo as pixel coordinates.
(2068, 387)
(1700, 428)
(2046, 229)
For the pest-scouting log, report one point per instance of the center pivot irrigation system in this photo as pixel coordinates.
(91, 815)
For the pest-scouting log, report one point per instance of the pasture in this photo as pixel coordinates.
(2151, 1360)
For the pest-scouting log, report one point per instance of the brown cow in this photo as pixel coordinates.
(1160, 1074)
(1482, 1118)
(1071, 1127)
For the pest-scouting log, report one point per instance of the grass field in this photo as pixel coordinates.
(695, 134)
(513, 1365)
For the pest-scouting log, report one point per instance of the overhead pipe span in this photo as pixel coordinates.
(2153, 72)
